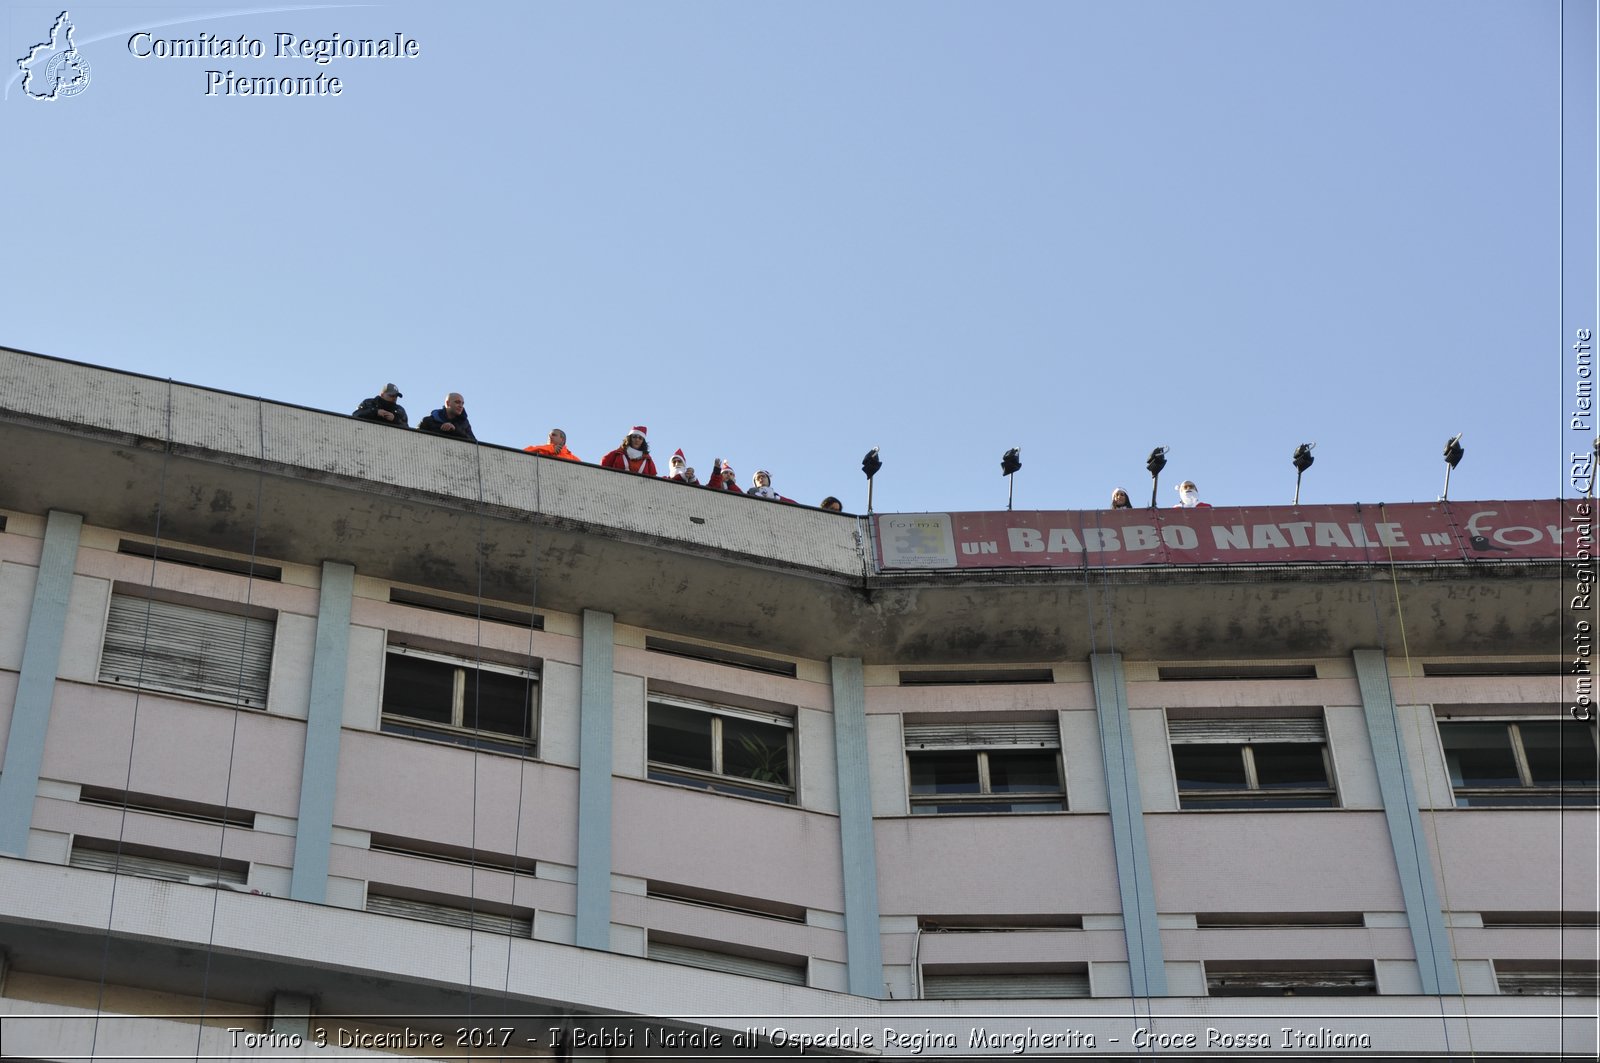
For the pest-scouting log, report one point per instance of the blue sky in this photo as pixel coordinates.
(785, 232)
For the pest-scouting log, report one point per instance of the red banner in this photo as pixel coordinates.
(1353, 534)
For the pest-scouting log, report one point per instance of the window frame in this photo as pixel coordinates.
(1253, 797)
(980, 740)
(456, 732)
(1527, 793)
(717, 780)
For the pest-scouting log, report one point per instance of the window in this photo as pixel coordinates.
(1290, 979)
(184, 649)
(992, 767)
(1251, 764)
(479, 704)
(713, 747)
(1521, 762)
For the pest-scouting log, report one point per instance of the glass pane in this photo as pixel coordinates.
(1209, 767)
(418, 688)
(1479, 754)
(680, 736)
(758, 751)
(1290, 765)
(944, 773)
(1559, 753)
(1023, 773)
(499, 702)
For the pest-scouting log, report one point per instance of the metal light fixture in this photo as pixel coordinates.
(1156, 462)
(1010, 462)
(1452, 457)
(1302, 461)
(870, 465)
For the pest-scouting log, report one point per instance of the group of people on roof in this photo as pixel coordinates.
(631, 455)
(1188, 498)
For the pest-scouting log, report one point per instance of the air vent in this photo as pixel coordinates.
(1237, 671)
(983, 923)
(1490, 669)
(726, 902)
(1270, 920)
(470, 609)
(975, 677)
(769, 665)
(215, 562)
(154, 804)
(1540, 919)
(451, 854)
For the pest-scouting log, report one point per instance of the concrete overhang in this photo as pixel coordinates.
(228, 472)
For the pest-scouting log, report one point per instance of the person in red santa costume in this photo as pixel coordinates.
(722, 478)
(680, 470)
(633, 455)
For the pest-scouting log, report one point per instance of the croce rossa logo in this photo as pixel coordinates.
(54, 69)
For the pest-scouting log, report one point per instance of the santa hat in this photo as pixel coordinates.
(763, 472)
(726, 467)
(677, 455)
(639, 430)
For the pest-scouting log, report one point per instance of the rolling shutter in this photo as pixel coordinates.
(981, 735)
(1245, 732)
(187, 650)
(772, 970)
(450, 915)
(1003, 986)
(1549, 983)
(195, 872)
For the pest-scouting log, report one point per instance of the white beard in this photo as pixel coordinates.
(1189, 498)
(634, 455)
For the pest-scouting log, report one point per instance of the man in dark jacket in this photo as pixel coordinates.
(383, 409)
(450, 419)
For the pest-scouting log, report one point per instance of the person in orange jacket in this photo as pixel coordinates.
(633, 455)
(556, 448)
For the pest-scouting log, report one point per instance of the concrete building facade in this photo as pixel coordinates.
(322, 736)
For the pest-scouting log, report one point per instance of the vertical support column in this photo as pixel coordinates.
(863, 946)
(1147, 972)
(594, 781)
(36, 685)
(319, 773)
(1429, 938)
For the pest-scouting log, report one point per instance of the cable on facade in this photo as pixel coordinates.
(477, 750)
(522, 762)
(1420, 743)
(1128, 773)
(133, 730)
(238, 697)
(1394, 724)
